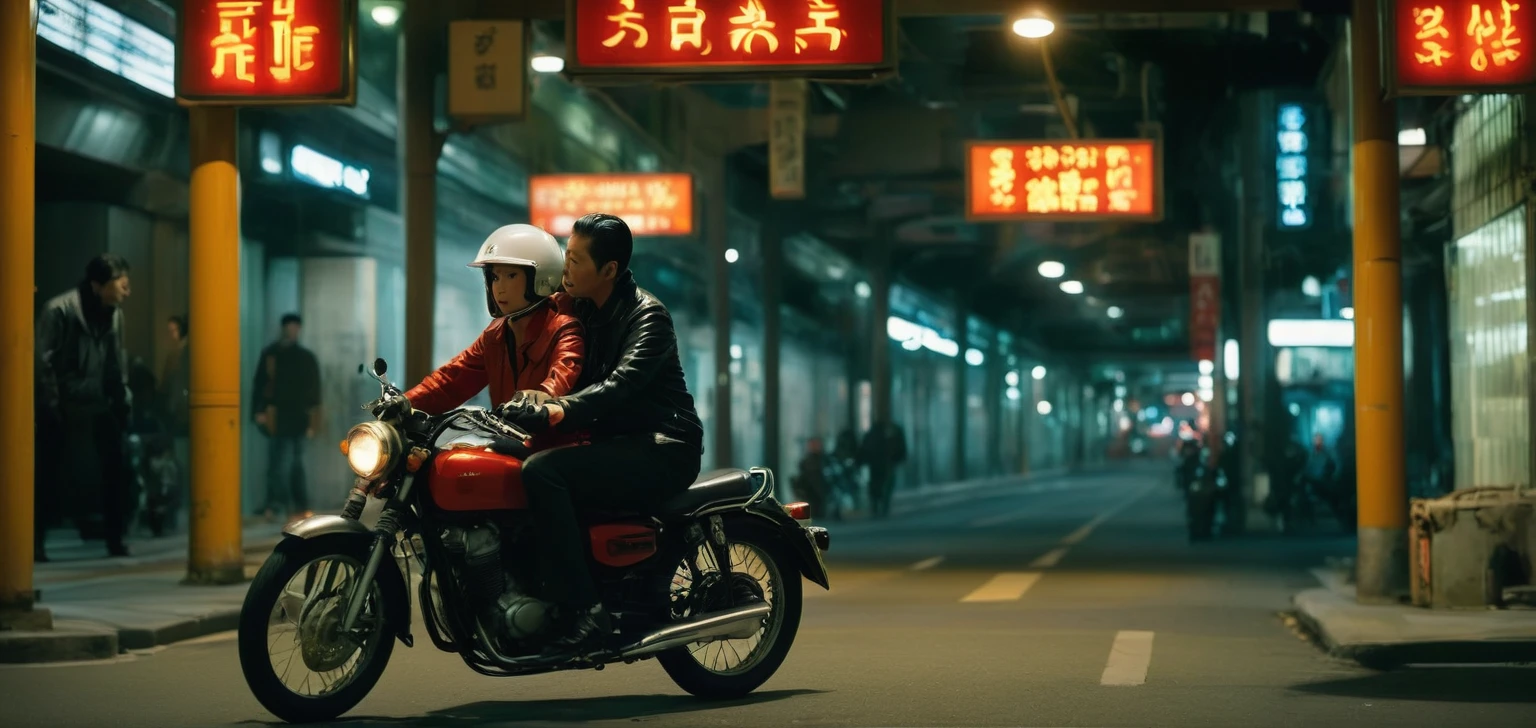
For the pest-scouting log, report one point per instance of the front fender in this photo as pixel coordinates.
(801, 541)
(317, 526)
(391, 581)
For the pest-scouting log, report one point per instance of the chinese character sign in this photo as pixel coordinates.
(1455, 46)
(786, 139)
(1292, 140)
(626, 36)
(1204, 316)
(250, 51)
(1061, 180)
(487, 69)
(651, 204)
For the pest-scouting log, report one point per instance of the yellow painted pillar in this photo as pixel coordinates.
(1382, 558)
(215, 555)
(18, 144)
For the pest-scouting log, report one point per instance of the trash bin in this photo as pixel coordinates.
(1467, 547)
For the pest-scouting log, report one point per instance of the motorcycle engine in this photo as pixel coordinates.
(505, 608)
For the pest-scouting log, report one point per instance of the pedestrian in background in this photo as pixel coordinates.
(286, 406)
(84, 400)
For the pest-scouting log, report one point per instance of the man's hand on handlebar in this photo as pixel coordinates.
(526, 411)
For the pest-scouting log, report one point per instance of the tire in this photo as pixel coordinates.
(702, 682)
(290, 556)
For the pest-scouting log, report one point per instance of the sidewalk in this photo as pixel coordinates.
(102, 606)
(1388, 636)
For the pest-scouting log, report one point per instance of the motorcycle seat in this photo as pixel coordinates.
(729, 485)
(715, 487)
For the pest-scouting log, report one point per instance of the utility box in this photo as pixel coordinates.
(1465, 548)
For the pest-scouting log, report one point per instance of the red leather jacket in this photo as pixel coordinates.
(549, 361)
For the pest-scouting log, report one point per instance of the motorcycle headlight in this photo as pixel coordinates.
(372, 448)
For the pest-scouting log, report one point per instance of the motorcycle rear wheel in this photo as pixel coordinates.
(262, 599)
(781, 625)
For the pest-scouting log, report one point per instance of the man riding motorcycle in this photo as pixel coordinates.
(533, 347)
(646, 440)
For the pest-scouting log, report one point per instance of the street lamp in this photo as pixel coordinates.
(1033, 26)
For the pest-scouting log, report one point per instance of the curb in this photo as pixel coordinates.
(67, 642)
(1390, 655)
(141, 638)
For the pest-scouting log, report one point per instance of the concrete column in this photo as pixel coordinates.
(772, 237)
(716, 244)
(962, 401)
(417, 148)
(879, 265)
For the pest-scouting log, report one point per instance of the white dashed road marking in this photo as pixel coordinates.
(1049, 558)
(1128, 659)
(1005, 587)
(927, 564)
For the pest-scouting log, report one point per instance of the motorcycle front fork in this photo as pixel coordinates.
(383, 538)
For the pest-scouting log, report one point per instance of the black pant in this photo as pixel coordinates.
(631, 473)
(287, 485)
(112, 454)
(880, 484)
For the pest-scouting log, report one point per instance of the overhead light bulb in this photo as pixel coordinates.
(1033, 27)
(1115, 312)
(547, 64)
(385, 15)
(1072, 287)
(1052, 269)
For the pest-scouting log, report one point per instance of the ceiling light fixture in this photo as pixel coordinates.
(385, 15)
(1034, 26)
(1072, 287)
(1052, 269)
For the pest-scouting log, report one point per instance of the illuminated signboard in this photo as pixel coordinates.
(110, 40)
(1064, 180)
(651, 204)
(266, 52)
(1446, 47)
(740, 37)
(1291, 142)
(323, 171)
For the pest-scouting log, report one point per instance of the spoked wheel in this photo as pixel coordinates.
(732, 668)
(296, 659)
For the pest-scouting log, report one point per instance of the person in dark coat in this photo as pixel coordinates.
(885, 447)
(83, 392)
(285, 402)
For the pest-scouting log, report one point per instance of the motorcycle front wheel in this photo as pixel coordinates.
(296, 660)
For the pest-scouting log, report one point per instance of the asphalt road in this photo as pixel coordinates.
(1074, 601)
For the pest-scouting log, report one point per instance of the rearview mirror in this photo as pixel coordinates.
(379, 367)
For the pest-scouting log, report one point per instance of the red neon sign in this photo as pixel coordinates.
(1063, 180)
(1204, 316)
(1459, 45)
(624, 35)
(256, 51)
(651, 204)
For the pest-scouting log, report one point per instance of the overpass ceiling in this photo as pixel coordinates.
(965, 75)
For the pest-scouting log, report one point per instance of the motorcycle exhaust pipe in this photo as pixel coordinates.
(739, 623)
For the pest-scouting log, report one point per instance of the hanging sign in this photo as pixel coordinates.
(651, 204)
(786, 139)
(487, 70)
(1064, 180)
(1451, 47)
(824, 39)
(266, 52)
(1204, 295)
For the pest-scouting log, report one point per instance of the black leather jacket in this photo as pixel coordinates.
(632, 380)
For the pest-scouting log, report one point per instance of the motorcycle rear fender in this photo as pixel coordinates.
(799, 540)
(389, 578)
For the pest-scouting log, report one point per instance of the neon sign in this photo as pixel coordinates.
(1050, 180)
(321, 170)
(1291, 168)
(260, 52)
(628, 37)
(1445, 47)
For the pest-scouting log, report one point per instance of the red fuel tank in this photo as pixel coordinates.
(473, 479)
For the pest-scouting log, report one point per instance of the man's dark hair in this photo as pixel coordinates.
(610, 237)
(105, 268)
(292, 318)
(181, 324)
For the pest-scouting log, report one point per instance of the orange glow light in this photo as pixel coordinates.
(727, 36)
(265, 49)
(652, 204)
(1057, 180)
(1460, 45)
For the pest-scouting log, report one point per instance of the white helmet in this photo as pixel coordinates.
(528, 246)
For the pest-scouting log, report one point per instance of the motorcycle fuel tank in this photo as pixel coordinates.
(472, 479)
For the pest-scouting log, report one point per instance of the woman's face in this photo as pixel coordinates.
(509, 286)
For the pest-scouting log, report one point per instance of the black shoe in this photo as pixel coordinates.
(589, 631)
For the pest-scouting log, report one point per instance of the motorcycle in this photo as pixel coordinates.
(708, 584)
